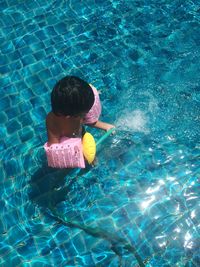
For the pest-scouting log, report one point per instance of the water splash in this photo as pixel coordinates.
(135, 120)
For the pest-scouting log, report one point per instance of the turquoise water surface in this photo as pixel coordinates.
(139, 206)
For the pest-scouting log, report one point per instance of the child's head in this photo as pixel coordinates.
(71, 96)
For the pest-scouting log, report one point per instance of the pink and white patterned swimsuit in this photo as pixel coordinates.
(94, 113)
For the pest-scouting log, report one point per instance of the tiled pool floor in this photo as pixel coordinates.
(139, 206)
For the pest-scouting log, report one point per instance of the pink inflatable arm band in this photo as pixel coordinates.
(67, 154)
(93, 115)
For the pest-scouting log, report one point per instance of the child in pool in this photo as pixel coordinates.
(74, 103)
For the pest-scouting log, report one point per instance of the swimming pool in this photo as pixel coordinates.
(140, 205)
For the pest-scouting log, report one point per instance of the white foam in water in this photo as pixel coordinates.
(135, 120)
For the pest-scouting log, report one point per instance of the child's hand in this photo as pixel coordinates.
(102, 125)
(109, 126)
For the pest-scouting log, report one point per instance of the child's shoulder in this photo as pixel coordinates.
(49, 116)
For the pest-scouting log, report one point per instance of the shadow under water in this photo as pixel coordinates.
(51, 186)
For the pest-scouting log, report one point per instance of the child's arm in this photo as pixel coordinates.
(102, 125)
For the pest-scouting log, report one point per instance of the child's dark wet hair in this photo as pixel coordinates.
(71, 96)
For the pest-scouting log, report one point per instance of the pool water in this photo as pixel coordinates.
(139, 206)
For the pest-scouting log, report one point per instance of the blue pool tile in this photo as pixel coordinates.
(38, 114)
(26, 71)
(17, 17)
(8, 183)
(30, 39)
(50, 31)
(145, 250)
(103, 258)
(120, 217)
(3, 5)
(3, 117)
(32, 80)
(3, 60)
(12, 167)
(5, 80)
(49, 43)
(53, 19)
(2, 203)
(17, 198)
(16, 235)
(85, 259)
(14, 55)
(25, 119)
(33, 213)
(12, 140)
(12, 259)
(40, 89)
(50, 50)
(18, 43)
(24, 106)
(20, 86)
(15, 100)
(35, 101)
(48, 220)
(7, 48)
(119, 197)
(61, 28)
(27, 60)
(14, 76)
(4, 103)
(8, 31)
(3, 230)
(10, 219)
(31, 5)
(66, 66)
(41, 242)
(51, 83)
(37, 46)
(13, 126)
(26, 134)
(79, 243)
(27, 249)
(40, 55)
(12, 112)
(56, 70)
(132, 210)
(4, 69)
(57, 256)
(25, 51)
(45, 251)
(68, 249)
(127, 157)
(27, 94)
(61, 234)
(44, 75)
(58, 39)
(41, 34)
(37, 67)
(32, 27)
(8, 20)
(20, 31)
(16, 65)
(49, 61)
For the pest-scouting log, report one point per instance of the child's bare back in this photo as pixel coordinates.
(59, 126)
